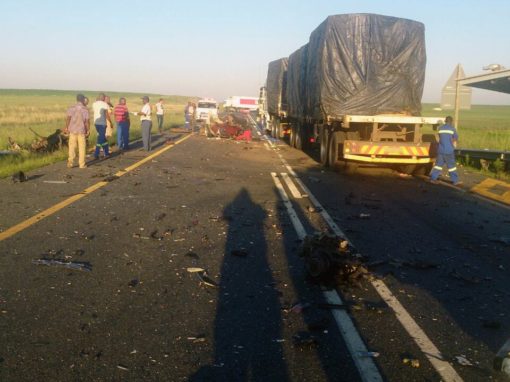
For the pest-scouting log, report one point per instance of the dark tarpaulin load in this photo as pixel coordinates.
(365, 64)
(296, 83)
(276, 86)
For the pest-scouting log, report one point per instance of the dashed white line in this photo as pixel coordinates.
(443, 368)
(291, 186)
(366, 367)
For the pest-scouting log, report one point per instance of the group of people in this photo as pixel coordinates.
(78, 125)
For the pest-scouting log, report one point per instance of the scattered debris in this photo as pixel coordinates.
(462, 360)
(193, 255)
(133, 283)
(304, 339)
(239, 252)
(368, 354)
(122, 367)
(299, 307)
(160, 217)
(195, 269)
(204, 278)
(413, 362)
(55, 181)
(110, 178)
(19, 177)
(197, 338)
(330, 255)
(501, 240)
(469, 279)
(76, 265)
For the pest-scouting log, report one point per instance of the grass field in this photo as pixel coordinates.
(482, 127)
(45, 110)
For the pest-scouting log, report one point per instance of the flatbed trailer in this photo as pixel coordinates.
(385, 140)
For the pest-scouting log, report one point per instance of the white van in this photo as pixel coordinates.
(206, 108)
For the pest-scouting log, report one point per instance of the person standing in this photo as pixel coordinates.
(78, 128)
(188, 116)
(160, 111)
(145, 118)
(121, 114)
(448, 138)
(101, 118)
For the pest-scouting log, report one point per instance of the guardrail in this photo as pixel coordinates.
(486, 157)
(484, 154)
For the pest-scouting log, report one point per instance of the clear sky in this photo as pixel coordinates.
(221, 48)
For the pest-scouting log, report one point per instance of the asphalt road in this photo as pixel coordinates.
(136, 312)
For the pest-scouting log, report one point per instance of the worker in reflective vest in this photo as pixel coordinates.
(446, 153)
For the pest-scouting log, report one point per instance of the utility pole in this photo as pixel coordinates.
(457, 98)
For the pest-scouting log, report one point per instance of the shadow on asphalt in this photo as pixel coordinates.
(248, 315)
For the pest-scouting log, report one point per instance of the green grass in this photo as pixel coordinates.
(45, 111)
(482, 127)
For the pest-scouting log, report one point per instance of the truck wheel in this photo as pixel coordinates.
(333, 149)
(423, 169)
(303, 134)
(292, 138)
(299, 136)
(323, 136)
(407, 168)
(349, 167)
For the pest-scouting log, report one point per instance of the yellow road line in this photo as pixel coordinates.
(57, 207)
(485, 188)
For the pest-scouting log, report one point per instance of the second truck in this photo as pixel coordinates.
(355, 89)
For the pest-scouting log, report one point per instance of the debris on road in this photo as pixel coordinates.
(160, 217)
(330, 255)
(204, 278)
(133, 283)
(197, 338)
(413, 362)
(304, 339)
(195, 269)
(55, 181)
(299, 307)
(462, 360)
(75, 265)
(368, 354)
(122, 367)
(239, 252)
(19, 177)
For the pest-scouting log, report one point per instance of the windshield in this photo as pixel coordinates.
(207, 105)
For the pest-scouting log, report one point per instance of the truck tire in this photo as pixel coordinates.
(324, 142)
(407, 168)
(335, 138)
(292, 137)
(299, 136)
(423, 169)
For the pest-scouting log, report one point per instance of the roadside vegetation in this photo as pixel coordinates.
(44, 112)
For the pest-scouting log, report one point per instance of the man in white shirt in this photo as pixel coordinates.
(101, 118)
(145, 118)
(159, 114)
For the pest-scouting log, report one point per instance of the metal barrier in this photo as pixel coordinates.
(484, 154)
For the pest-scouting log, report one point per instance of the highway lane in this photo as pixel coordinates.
(140, 315)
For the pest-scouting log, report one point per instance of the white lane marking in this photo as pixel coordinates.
(445, 370)
(292, 188)
(298, 226)
(267, 146)
(366, 367)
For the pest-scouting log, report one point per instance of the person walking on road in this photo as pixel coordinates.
(160, 111)
(448, 138)
(121, 114)
(78, 128)
(101, 117)
(145, 118)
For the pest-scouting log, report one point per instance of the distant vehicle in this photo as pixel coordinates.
(239, 103)
(206, 108)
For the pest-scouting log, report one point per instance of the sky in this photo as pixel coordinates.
(221, 48)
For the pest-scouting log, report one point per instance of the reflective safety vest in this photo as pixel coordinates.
(447, 135)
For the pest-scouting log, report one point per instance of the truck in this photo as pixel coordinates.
(240, 103)
(276, 97)
(206, 108)
(355, 89)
